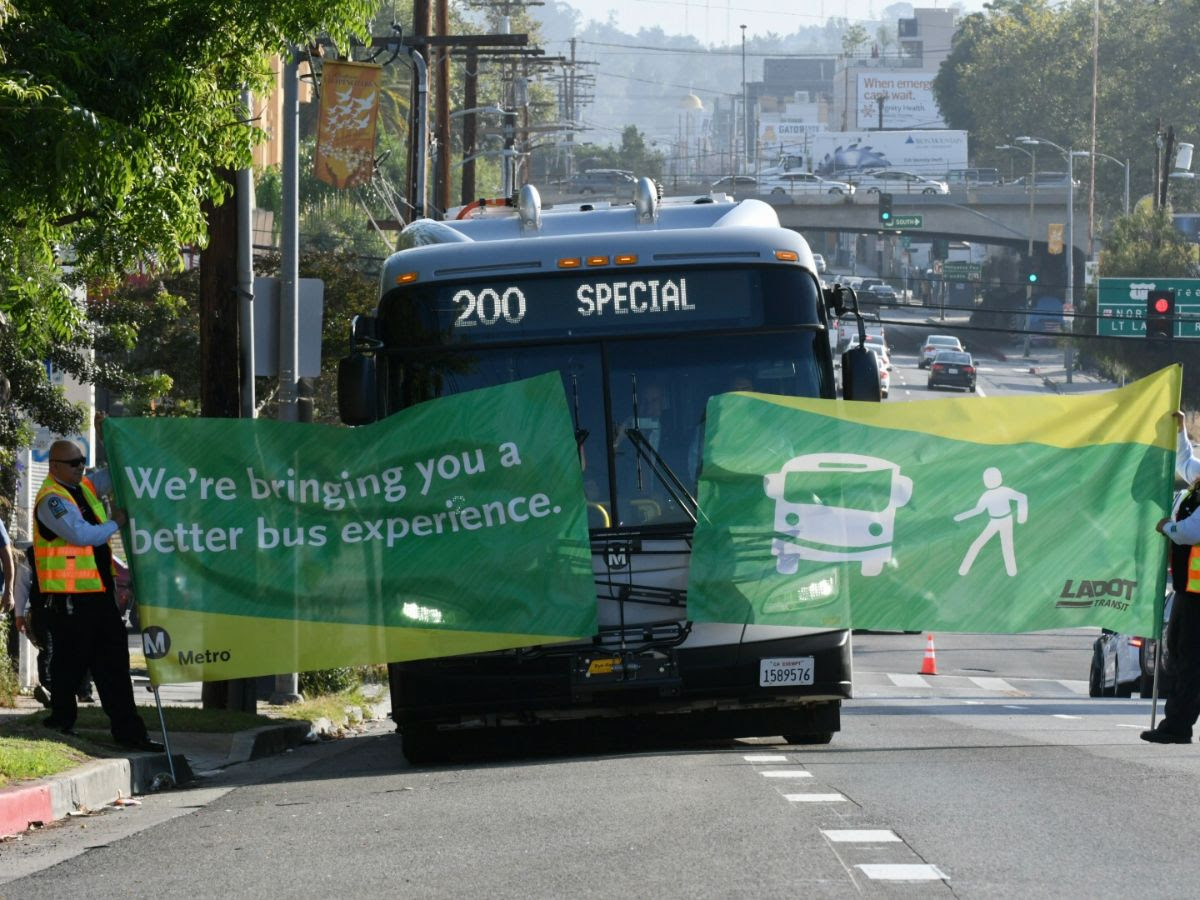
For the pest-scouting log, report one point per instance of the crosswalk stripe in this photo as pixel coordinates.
(993, 684)
(908, 680)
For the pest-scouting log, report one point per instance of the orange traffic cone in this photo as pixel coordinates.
(929, 664)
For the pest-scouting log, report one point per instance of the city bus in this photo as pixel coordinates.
(645, 309)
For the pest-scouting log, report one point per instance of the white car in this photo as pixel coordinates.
(895, 181)
(820, 262)
(935, 342)
(793, 183)
(885, 368)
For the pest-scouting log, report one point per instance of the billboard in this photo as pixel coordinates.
(907, 100)
(780, 133)
(930, 153)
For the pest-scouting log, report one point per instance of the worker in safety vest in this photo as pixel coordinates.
(1182, 528)
(74, 569)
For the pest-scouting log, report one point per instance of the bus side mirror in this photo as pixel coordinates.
(860, 375)
(356, 389)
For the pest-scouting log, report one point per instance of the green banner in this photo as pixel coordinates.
(1001, 514)
(258, 547)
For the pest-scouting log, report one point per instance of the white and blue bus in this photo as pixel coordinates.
(645, 310)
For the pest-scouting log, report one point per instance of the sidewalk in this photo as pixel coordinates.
(104, 782)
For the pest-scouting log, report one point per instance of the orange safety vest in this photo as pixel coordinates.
(64, 568)
(1193, 572)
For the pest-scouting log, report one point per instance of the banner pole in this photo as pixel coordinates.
(162, 721)
(1158, 655)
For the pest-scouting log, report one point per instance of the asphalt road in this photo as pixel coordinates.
(997, 777)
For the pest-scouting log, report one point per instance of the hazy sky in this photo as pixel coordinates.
(718, 21)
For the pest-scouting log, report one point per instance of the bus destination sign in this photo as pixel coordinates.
(606, 302)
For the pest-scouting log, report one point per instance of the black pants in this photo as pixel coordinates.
(45, 645)
(1183, 654)
(87, 632)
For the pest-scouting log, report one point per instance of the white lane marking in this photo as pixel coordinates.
(992, 684)
(901, 872)
(1127, 725)
(1075, 687)
(979, 392)
(973, 702)
(765, 758)
(861, 836)
(908, 680)
(786, 773)
(1014, 706)
(1065, 716)
(814, 798)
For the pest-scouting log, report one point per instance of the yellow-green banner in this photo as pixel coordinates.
(259, 547)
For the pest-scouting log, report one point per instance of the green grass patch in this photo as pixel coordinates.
(24, 758)
(326, 706)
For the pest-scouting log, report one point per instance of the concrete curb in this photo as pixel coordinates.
(266, 741)
(101, 782)
(88, 787)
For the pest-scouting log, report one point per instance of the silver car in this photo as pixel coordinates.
(895, 181)
(793, 183)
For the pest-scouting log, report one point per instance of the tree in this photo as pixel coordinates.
(118, 122)
(853, 38)
(633, 155)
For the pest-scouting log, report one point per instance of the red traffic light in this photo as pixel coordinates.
(1162, 305)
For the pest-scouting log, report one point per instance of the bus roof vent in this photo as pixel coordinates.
(423, 232)
(645, 199)
(529, 208)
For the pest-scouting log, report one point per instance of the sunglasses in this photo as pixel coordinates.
(76, 462)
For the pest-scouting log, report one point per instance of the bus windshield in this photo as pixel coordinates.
(759, 332)
(671, 379)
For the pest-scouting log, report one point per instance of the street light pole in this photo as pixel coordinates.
(745, 105)
(1069, 290)
(1032, 154)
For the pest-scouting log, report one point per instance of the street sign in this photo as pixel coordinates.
(1121, 306)
(904, 222)
(962, 270)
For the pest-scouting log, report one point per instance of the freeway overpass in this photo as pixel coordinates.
(999, 215)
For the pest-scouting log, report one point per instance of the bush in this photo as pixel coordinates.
(9, 687)
(328, 681)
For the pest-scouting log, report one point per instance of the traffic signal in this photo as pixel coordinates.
(1031, 278)
(885, 208)
(1160, 315)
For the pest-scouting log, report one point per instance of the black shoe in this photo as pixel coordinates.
(1158, 736)
(85, 698)
(144, 744)
(42, 696)
(57, 724)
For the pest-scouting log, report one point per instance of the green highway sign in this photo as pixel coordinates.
(904, 222)
(961, 270)
(1121, 306)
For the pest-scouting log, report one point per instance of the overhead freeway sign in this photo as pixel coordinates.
(904, 222)
(1121, 306)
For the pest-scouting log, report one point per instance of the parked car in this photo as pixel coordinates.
(883, 293)
(885, 368)
(895, 181)
(793, 183)
(612, 182)
(973, 177)
(935, 342)
(820, 263)
(952, 368)
(736, 184)
(1046, 179)
(1122, 663)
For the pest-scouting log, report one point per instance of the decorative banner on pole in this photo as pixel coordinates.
(1055, 237)
(1004, 514)
(345, 151)
(257, 547)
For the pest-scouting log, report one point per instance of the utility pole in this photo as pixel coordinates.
(470, 131)
(442, 110)
(745, 105)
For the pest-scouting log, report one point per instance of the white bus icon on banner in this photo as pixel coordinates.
(836, 507)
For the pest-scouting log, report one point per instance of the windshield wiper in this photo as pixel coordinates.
(669, 480)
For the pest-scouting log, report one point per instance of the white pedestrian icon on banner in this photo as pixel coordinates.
(997, 502)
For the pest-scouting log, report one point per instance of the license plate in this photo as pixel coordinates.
(952, 370)
(783, 672)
